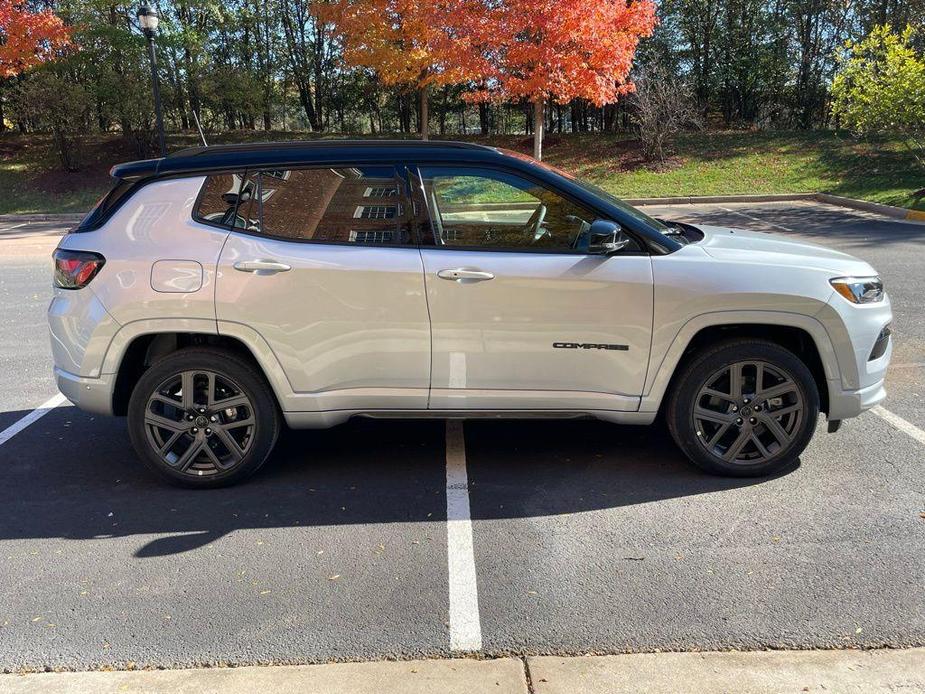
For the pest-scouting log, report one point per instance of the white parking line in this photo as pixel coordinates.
(33, 416)
(900, 423)
(756, 219)
(465, 626)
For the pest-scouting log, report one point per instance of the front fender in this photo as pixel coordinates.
(659, 374)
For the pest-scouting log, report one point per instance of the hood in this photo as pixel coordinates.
(724, 243)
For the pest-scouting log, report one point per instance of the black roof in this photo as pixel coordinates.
(275, 154)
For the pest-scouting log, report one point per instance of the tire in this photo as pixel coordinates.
(232, 419)
(729, 429)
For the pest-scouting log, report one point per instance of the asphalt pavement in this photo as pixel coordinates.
(586, 537)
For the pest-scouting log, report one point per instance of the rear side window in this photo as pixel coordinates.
(219, 200)
(105, 205)
(362, 205)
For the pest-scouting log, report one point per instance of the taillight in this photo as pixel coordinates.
(75, 269)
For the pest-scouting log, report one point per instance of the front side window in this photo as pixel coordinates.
(219, 200)
(360, 205)
(482, 208)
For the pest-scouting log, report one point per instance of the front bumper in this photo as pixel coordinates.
(89, 394)
(862, 359)
(844, 404)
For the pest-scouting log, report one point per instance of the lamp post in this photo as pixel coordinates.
(148, 20)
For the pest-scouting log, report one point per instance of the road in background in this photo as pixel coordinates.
(586, 536)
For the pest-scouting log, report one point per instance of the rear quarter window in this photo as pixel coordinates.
(219, 200)
(106, 205)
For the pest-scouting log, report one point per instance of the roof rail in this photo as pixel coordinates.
(310, 144)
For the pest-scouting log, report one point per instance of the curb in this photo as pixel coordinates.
(876, 207)
(706, 199)
(69, 217)
(885, 670)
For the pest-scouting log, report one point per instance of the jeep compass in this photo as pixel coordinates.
(219, 292)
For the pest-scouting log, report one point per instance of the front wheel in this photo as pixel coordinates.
(202, 418)
(745, 408)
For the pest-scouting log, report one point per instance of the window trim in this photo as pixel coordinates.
(402, 196)
(415, 171)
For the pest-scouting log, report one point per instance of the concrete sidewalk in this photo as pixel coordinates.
(656, 673)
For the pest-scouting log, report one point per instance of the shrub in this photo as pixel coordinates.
(663, 105)
(880, 88)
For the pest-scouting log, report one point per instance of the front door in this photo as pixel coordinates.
(521, 319)
(322, 266)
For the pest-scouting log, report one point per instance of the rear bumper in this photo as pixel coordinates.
(844, 404)
(89, 394)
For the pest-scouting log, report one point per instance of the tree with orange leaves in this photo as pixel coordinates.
(408, 42)
(28, 38)
(561, 50)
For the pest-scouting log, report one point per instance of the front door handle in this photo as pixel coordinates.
(261, 267)
(463, 274)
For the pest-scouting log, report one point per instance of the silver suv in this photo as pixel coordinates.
(220, 291)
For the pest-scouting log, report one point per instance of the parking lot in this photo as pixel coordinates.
(585, 536)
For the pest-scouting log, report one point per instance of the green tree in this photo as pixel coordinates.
(880, 88)
(56, 103)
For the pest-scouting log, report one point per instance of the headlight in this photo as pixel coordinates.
(859, 290)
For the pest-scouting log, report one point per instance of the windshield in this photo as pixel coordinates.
(597, 190)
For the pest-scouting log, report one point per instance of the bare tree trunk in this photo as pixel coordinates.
(425, 112)
(538, 122)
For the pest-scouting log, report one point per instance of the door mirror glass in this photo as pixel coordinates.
(603, 237)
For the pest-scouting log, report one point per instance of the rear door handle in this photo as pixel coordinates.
(463, 274)
(261, 267)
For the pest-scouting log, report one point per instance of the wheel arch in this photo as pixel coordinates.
(151, 343)
(800, 334)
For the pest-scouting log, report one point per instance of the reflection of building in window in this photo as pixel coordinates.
(450, 235)
(380, 192)
(358, 236)
(328, 205)
(375, 212)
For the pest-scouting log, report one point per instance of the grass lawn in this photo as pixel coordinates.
(709, 163)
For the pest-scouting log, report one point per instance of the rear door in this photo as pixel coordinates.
(520, 318)
(322, 265)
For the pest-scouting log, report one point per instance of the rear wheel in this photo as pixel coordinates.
(203, 418)
(745, 408)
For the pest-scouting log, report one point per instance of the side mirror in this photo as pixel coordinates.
(603, 237)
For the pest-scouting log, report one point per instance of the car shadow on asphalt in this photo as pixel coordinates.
(72, 475)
